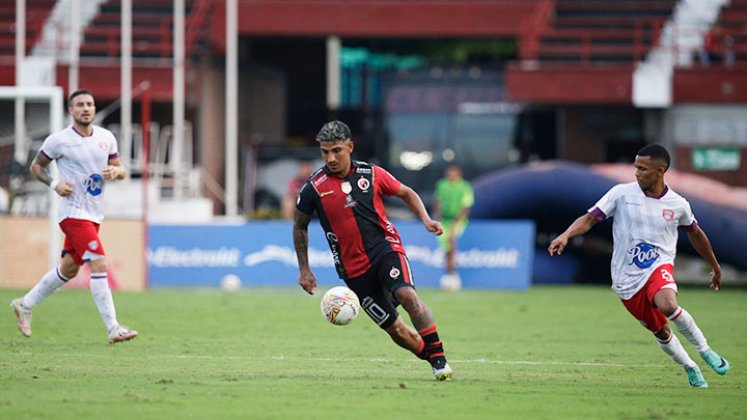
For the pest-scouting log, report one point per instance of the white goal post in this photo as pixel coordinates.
(54, 97)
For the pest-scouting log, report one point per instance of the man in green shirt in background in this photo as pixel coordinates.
(452, 201)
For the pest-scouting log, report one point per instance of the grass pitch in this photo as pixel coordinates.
(551, 352)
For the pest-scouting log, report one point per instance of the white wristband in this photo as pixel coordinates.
(53, 184)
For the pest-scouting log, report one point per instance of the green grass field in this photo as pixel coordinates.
(551, 352)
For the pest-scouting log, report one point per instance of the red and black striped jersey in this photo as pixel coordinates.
(351, 212)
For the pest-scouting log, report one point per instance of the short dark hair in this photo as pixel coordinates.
(655, 151)
(334, 131)
(78, 93)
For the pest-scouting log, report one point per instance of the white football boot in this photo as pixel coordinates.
(24, 316)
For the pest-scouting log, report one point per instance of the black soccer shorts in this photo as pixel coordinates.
(375, 288)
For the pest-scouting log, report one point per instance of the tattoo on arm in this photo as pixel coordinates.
(301, 238)
(40, 170)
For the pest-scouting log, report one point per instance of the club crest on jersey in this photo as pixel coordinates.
(103, 146)
(93, 245)
(364, 184)
(394, 272)
(643, 255)
(668, 214)
(94, 184)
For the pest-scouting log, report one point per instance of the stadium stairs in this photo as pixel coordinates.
(576, 51)
(720, 79)
(37, 12)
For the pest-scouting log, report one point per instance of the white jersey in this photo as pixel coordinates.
(644, 233)
(82, 160)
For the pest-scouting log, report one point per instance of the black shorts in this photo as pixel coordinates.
(375, 288)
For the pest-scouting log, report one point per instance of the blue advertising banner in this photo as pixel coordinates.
(492, 254)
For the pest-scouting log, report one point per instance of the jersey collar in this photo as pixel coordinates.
(663, 193)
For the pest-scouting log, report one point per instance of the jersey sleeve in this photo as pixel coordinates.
(468, 199)
(306, 198)
(50, 147)
(687, 218)
(113, 148)
(387, 183)
(605, 207)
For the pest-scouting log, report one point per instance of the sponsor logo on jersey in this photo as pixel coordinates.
(346, 187)
(668, 214)
(394, 272)
(332, 240)
(323, 193)
(94, 184)
(349, 202)
(363, 170)
(364, 184)
(320, 180)
(643, 255)
(391, 239)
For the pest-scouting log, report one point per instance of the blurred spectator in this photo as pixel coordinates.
(729, 54)
(453, 199)
(711, 51)
(288, 204)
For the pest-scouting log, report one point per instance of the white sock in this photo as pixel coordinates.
(687, 327)
(674, 349)
(102, 295)
(48, 284)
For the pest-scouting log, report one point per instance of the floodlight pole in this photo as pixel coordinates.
(178, 79)
(333, 73)
(73, 69)
(125, 86)
(232, 105)
(20, 152)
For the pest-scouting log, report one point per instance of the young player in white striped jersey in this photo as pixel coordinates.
(647, 216)
(87, 158)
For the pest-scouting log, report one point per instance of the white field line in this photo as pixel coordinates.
(369, 360)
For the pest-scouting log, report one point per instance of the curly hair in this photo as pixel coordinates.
(334, 131)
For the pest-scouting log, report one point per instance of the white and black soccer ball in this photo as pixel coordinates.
(230, 283)
(340, 305)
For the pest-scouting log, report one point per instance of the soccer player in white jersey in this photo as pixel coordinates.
(87, 158)
(647, 216)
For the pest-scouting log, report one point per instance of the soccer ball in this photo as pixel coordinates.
(230, 283)
(340, 305)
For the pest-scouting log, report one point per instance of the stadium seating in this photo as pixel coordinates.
(36, 13)
(730, 31)
(152, 26)
(598, 31)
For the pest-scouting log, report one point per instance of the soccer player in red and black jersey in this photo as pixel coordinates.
(366, 248)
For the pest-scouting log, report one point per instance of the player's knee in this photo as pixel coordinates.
(69, 271)
(98, 265)
(668, 307)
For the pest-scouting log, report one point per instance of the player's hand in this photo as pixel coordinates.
(307, 282)
(64, 188)
(433, 227)
(716, 279)
(112, 172)
(557, 245)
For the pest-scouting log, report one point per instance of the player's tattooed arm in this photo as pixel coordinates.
(39, 169)
(301, 238)
(301, 241)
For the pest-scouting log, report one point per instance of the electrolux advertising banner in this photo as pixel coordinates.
(492, 254)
